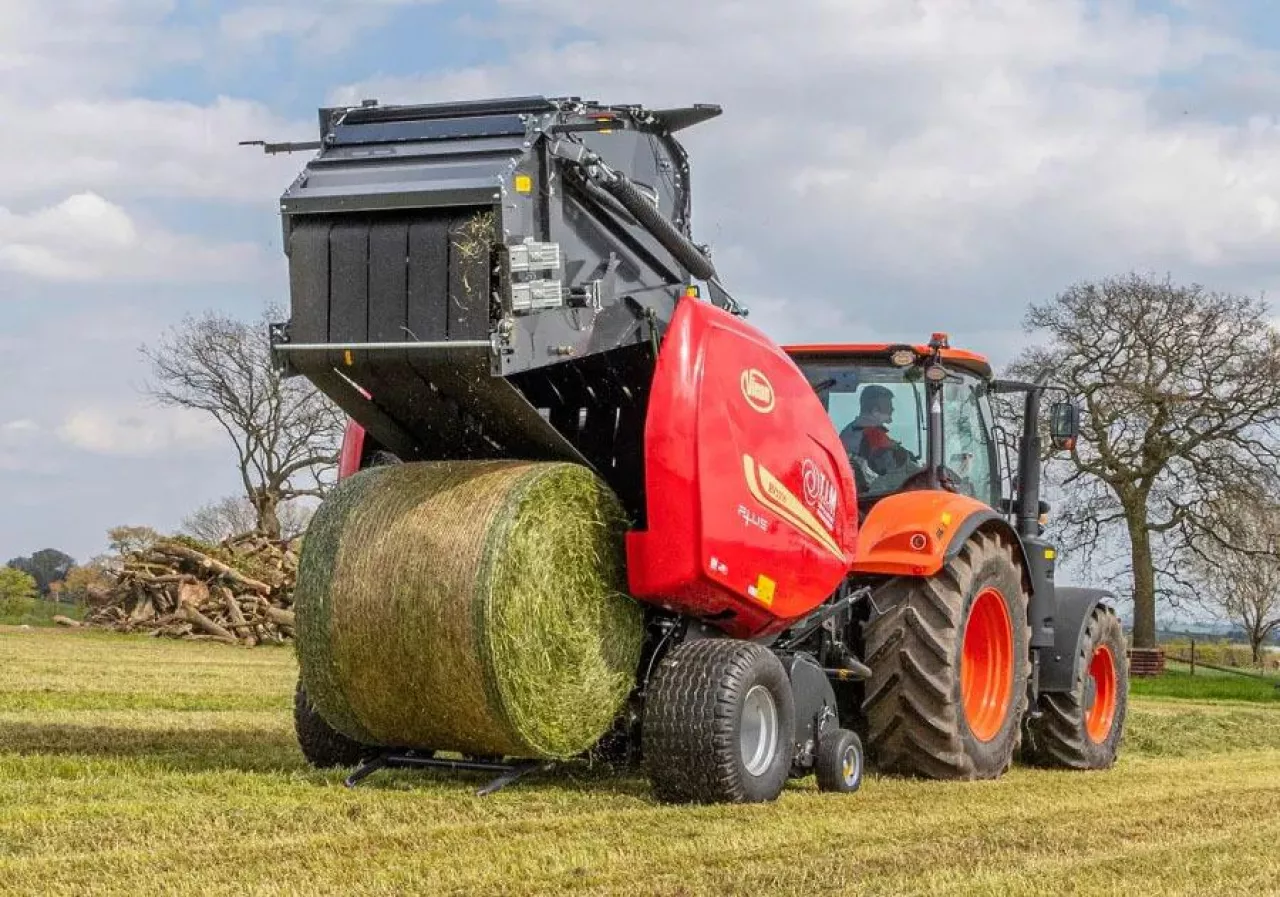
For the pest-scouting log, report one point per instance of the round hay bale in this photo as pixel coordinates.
(468, 606)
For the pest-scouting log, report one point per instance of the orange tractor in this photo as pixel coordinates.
(971, 648)
(831, 542)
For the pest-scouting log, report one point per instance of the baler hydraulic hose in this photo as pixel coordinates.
(620, 187)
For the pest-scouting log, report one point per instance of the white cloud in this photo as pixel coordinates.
(50, 47)
(139, 431)
(85, 238)
(82, 152)
(18, 428)
(147, 148)
(320, 25)
(916, 166)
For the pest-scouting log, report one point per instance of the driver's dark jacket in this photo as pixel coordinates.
(873, 444)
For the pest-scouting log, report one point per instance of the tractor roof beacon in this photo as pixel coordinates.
(517, 278)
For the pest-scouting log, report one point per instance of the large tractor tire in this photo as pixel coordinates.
(950, 660)
(719, 724)
(1082, 729)
(322, 745)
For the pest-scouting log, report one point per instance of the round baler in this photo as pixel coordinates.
(510, 287)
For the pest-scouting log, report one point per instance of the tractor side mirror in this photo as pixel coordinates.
(1064, 425)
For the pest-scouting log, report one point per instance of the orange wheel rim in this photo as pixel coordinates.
(986, 665)
(1102, 675)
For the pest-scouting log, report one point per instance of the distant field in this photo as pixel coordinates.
(130, 765)
(1208, 685)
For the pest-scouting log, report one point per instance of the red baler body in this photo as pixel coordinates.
(750, 498)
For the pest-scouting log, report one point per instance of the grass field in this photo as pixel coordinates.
(135, 766)
(1209, 685)
(42, 614)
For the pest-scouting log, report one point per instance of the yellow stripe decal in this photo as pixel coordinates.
(769, 491)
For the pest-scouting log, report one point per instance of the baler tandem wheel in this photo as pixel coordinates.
(719, 723)
(1082, 729)
(950, 662)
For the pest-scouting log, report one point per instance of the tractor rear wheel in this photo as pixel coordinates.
(950, 659)
(321, 744)
(719, 724)
(1082, 729)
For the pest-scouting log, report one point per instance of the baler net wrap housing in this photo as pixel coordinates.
(492, 279)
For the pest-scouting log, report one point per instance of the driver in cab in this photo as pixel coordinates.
(867, 438)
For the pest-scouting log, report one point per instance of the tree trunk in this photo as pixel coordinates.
(1255, 645)
(267, 504)
(1144, 577)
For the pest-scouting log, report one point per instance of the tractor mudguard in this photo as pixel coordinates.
(751, 509)
(915, 533)
(1059, 666)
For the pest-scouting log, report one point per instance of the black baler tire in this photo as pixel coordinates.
(381, 458)
(322, 745)
(829, 766)
(693, 711)
(1058, 738)
(913, 706)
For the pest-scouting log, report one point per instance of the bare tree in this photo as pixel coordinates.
(286, 433)
(235, 516)
(1180, 394)
(1237, 565)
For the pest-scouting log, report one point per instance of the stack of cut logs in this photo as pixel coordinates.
(239, 592)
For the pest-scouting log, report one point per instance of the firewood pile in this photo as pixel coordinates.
(239, 592)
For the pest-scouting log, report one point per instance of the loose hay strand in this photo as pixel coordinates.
(473, 606)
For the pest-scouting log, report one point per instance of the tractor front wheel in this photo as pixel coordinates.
(1081, 729)
(950, 660)
(719, 724)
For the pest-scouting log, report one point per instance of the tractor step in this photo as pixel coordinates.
(508, 773)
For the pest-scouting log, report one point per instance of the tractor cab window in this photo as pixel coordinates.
(879, 412)
(970, 452)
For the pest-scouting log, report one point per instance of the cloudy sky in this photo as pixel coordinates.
(883, 168)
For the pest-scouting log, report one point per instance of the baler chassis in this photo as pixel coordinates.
(508, 773)
(810, 668)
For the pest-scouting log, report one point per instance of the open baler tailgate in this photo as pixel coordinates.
(490, 280)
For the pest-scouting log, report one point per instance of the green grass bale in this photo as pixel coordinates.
(469, 606)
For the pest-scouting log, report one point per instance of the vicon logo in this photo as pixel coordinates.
(757, 390)
(820, 493)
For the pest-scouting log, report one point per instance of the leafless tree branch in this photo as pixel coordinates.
(286, 434)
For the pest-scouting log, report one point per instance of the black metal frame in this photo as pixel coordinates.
(508, 772)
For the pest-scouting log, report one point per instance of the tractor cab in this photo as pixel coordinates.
(909, 417)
